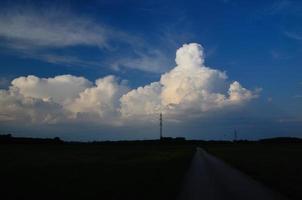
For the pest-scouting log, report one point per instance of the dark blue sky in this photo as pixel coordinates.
(258, 43)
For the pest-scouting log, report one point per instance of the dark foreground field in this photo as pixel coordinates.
(278, 166)
(92, 171)
(135, 170)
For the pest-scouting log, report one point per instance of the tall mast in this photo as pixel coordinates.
(161, 126)
(235, 135)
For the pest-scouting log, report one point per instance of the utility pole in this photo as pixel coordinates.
(161, 126)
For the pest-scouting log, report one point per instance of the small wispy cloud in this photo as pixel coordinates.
(61, 59)
(275, 54)
(154, 61)
(279, 55)
(49, 28)
(278, 7)
(226, 1)
(39, 33)
(298, 96)
(293, 35)
(289, 120)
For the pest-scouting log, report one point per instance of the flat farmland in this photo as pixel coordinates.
(92, 171)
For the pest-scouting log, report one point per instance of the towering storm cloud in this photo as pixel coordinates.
(189, 89)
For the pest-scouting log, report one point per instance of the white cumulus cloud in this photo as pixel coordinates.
(188, 89)
(18, 108)
(142, 101)
(58, 89)
(102, 99)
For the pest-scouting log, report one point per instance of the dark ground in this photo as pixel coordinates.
(92, 171)
(135, 170)
(278, 166)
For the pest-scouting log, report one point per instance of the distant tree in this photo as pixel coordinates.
(5, 135)
(57, 139)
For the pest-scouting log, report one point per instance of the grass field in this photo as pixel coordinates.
(135, 170)
(278, 166)
(92, 171)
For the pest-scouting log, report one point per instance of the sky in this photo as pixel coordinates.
(104, 70)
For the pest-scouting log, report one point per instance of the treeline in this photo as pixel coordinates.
(9, 139)
(281, 140)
